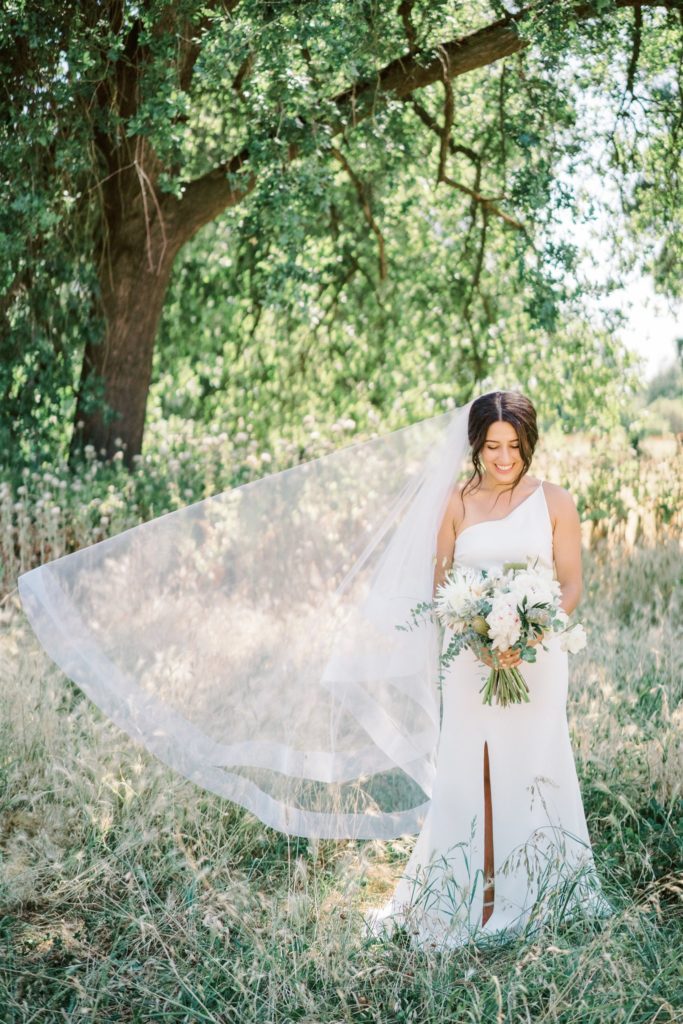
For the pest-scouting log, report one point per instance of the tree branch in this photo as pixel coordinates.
(191, 46)
(405, 10)
(365, 206)
(488, 203)
(445, 130)
(473, 193)
(454, 147)
(635, 52)
(243, 72)
(206, 196)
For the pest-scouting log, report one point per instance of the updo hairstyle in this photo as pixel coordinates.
(511, 407)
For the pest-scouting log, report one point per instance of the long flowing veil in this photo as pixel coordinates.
(249, 640)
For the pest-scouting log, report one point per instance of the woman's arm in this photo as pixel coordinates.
(445, 541)
(567, 547)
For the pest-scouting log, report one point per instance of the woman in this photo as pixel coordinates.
(250, 640)
(506, 831)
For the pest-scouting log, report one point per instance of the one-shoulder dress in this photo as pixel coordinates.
(504, 844)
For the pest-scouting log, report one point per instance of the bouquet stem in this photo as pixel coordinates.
(507, 685)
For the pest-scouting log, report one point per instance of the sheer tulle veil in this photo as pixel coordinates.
(249, 640)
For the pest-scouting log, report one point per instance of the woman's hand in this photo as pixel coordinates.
(502, 659)
(499, 659)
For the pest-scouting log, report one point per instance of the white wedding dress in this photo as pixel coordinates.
(506, 805)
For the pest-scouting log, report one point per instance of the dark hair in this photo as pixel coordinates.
(512, 407)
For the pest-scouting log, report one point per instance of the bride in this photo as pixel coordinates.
(254, 641)
(505, 838)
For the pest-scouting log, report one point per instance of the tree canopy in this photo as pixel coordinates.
(277, 209)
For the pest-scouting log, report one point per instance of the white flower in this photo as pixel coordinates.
(479, 587)
(561, 614)
(503, 636)
(504, 625)
(504, 604)
(574, 639)
(452, 597)
(538, 586)
(457, 597)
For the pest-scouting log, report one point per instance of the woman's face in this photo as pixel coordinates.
(500, 453)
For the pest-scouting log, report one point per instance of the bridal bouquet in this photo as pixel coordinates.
(508, 608)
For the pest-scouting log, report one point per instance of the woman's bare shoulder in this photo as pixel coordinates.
(455, 506)
(560, 501)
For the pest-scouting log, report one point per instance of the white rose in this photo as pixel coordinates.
(574, 639)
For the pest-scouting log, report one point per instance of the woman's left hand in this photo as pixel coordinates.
(511, 657)
(506, 659)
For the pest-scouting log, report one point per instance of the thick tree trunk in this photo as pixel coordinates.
(121, 364)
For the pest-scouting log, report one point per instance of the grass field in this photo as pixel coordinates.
(127, 894)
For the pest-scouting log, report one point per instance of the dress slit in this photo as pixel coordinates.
(489, 890)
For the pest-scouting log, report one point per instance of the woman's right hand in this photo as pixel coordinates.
(502, 659)
(495, 658)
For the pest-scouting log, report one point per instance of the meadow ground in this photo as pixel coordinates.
(127, 894)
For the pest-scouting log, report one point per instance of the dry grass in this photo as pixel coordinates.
(129, 895)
